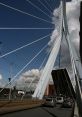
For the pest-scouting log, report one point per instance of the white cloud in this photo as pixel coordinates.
(73, 13)
(28, 76)
(31, 73)
(55, 20)
(2, 81)
(1, 77)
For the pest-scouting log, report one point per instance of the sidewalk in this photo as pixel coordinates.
(18, 106)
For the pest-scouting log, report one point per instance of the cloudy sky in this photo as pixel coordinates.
(12, 39)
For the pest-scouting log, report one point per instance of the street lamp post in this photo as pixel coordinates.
(11, 65)
(10, 89)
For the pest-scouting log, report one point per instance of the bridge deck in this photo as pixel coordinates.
(27, 108)
(42, 112)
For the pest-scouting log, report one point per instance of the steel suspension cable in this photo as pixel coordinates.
(22, 28)
(24, 46)
(34, 78)
(43, 62)
(48, 5)
(38, 8)
(18, 10)
(44, 6)
(24, 67)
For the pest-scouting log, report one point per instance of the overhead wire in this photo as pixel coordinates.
(26, 13)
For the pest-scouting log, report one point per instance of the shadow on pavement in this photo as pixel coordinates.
(49, 112)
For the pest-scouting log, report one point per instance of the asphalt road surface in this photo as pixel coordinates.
(41, 112)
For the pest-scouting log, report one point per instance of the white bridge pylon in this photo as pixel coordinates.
(75, 61)
(44, 79)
